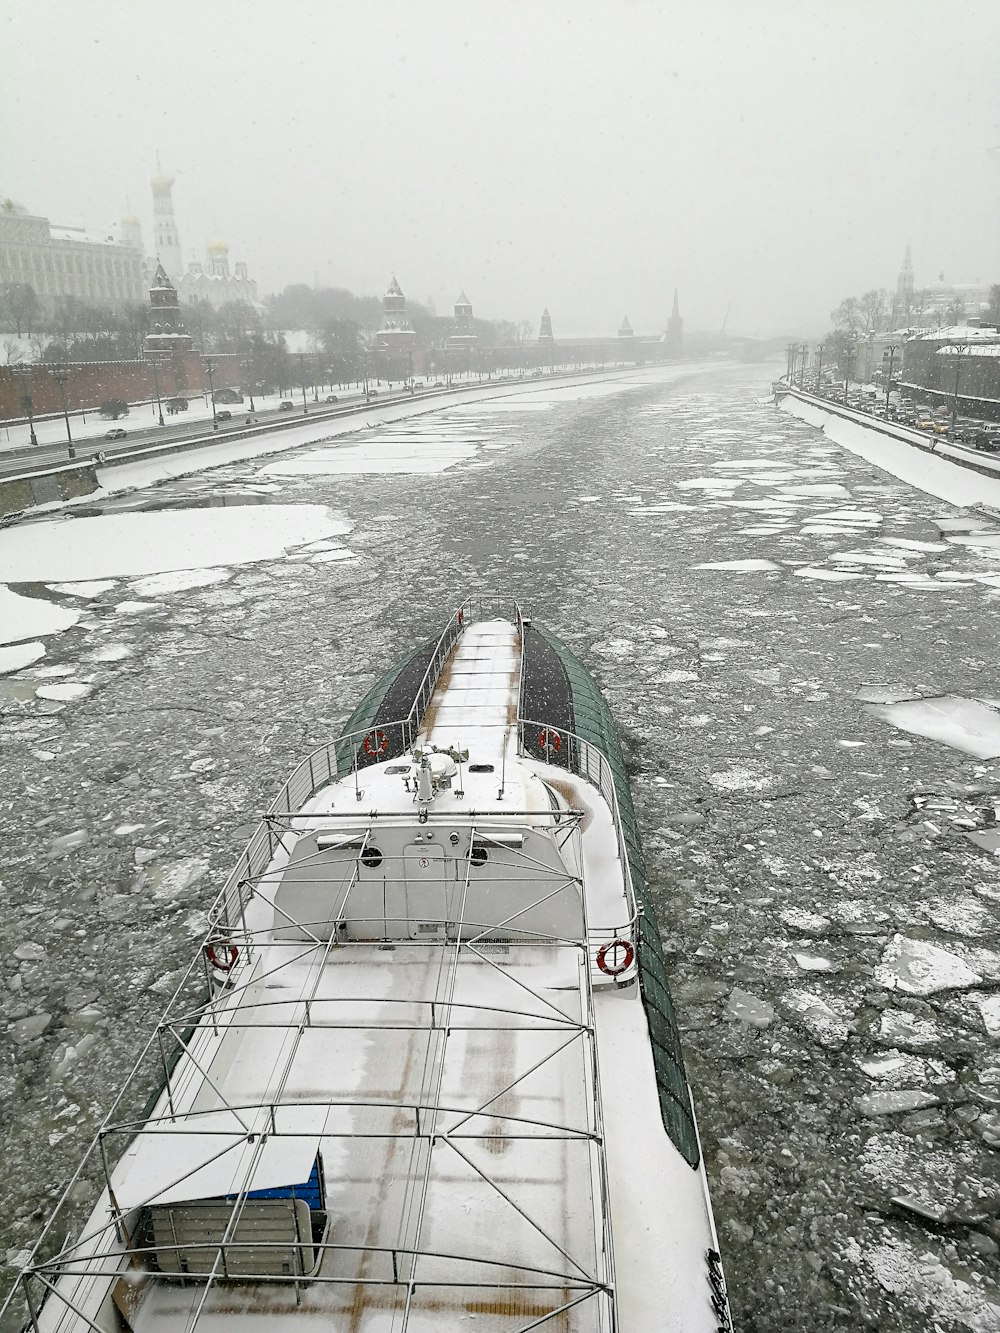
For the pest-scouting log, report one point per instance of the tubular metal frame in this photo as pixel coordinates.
(100, 1255)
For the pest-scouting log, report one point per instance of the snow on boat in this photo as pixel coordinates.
(424, 1067)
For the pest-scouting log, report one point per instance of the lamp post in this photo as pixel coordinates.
(156, 386)
(888, 379)
(24, 375)
(819, 369)
(958, 371)
(802, 368)
(211, 388)
(302, 377)
(848, 353)
(61, 375)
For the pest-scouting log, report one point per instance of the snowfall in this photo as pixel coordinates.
(792, 618)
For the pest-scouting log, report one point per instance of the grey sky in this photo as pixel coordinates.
(585, 156)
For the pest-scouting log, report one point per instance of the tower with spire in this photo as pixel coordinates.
(545, 334)
(674, 337)
(166, 332)
(166, 241)
(396, 340)
(903, 301)
(463, 328)
(626, 332)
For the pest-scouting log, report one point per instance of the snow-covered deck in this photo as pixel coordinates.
(437, 1031)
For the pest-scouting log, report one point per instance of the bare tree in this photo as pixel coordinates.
(849, 316)
(874, 305)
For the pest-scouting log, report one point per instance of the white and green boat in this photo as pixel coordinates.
(423, 1072)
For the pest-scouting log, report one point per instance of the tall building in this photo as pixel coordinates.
(166, 241)
(674, 336)
(545, 334)
(166, 332)
(395, 340)
(464, 330)
(903, 302)
(67, 261)
(626, 332)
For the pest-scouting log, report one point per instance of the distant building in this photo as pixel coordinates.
(961, 362)
(396, 340)
(166, 239)
(166, 333)
(673, 339)
(545, 334)
(626, 332)
(67, 261)
(463, 328)
(213, 282)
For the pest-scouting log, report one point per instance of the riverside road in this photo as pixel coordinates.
(755, 601)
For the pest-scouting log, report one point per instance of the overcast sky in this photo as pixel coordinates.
(765, 157)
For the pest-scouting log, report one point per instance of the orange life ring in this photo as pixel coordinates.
(381, 743)
(222, 956)
(551, 740)
(615, 970)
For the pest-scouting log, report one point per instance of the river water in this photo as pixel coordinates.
(768, 615)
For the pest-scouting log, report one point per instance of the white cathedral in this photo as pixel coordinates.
(206, 280)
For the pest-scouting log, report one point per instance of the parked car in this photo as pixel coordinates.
(988, 443)
(116, 433)
(223, 416)
(286, 405)
(372, 393)
(438, 384)
(332, 398)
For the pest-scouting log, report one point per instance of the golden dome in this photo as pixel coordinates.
(217, 247)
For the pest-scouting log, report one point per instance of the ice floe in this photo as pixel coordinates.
(20, 655)
(27, 617)
(157, 541)
(921, 968)
(964, 724)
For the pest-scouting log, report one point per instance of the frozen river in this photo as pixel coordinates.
(800, 651)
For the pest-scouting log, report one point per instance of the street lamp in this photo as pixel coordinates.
(302, 377)
(156, 385)
(211, 388)
(61, 374)
(819, 370)
(802, 369)
(959, 350)
(888, 378)
(25, 374)
(848, 353)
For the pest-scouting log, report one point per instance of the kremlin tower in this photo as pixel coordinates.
(545, 334)
(166, 332)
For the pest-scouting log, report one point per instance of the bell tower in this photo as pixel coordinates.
(166, 241)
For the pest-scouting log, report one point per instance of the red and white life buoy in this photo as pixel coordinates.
(376, 743)
(622, 955)
(550, 740)
(222, 956)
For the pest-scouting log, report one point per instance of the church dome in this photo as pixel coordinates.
(218, 247)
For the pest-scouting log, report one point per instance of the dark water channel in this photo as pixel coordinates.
(791, 836)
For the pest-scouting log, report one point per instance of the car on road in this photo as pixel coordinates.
(286, 405)
(989, 444)
(332, 398)
(438, 384)
(223, 416)
(115, 433)
(371, 393)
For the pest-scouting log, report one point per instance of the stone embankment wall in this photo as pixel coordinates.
(64, 483)
(90, 383)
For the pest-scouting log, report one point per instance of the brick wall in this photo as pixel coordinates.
(91, 383)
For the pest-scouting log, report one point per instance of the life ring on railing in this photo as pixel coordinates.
(460, 616)
(625, 957)
(376, 743)
(550, 740)
(222, 956)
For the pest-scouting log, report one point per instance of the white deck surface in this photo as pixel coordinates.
(452, 1089)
